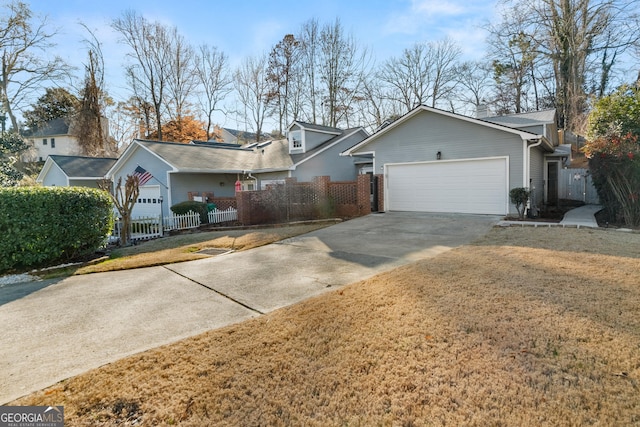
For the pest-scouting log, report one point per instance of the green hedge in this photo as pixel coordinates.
(192, 206)
(43, 225)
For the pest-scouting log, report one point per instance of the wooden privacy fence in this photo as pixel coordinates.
(298, 201)
(576, 184)
(145, 228)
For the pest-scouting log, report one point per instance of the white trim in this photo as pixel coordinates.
(128, 153)
(423, 108)
(330, 145)
(507, 170)
(45, 169)
(301, 125)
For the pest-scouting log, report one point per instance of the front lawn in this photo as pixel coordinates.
(527, 326)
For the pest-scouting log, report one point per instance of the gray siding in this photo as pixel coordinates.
(55, 177)
(313, 139)
(422, 136)
(221, 185)
(153, 165)
(330, 163)
(537, 178)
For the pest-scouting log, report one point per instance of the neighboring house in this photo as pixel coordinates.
(70, 171)
(438, 161)
(233, 136)
(52, 138)
(178, 170)
(55, 138)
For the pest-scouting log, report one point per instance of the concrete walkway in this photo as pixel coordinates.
(584, 216)
(53, 330)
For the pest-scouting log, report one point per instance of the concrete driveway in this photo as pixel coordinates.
(53, 330)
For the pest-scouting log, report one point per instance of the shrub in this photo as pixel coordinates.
(43, 225)
(519, 197)
(192, 206)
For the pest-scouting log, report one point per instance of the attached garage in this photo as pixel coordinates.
(456, 186)
(148, 203)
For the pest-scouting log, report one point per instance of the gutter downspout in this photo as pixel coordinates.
(528, 169)
(253, 178)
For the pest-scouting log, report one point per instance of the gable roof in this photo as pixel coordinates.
(302, 157)
(59, 126)
(219, 157)
(83, 167)
(532, 118)
(314, 127)
(78, 167)
(423, 108)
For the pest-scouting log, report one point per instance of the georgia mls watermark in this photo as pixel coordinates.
(31, 416)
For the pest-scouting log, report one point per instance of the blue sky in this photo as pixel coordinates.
(242, 28)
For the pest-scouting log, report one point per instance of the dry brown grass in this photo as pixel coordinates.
(526, 327)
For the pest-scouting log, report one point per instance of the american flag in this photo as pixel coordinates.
(143, 175)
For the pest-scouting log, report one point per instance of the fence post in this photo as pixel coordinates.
(243, 202)
(380, 192)
(364, 195)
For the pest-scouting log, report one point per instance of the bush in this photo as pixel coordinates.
(519, 197)
(192, 206)
(43, 225)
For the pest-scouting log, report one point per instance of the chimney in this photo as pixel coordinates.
(482, 111)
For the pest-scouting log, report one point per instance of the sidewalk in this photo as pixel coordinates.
(584, 216)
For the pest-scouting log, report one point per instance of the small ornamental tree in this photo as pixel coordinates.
(124, 202)
(519, 197)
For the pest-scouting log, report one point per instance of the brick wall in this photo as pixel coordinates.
(380, 192)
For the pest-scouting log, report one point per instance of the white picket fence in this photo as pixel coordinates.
(217, 216)
(145, 228)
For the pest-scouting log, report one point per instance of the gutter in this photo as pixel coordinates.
(528, 167)
(248, 173)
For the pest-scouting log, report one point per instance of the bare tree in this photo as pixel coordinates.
(181, 81)
(22, 37)
(309, 57)
(151, 48)
(283, 71)
(474, 79)
(89, 124)
(252, 88)
(407, 76)
(581, 40)
(375, 106)
(124, 200)
(124, 122)
(341, 73)
(422, 74)
(212, 74)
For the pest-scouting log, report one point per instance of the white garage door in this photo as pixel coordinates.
(458, 186)
(148, 203)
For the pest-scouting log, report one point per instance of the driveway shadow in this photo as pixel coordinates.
(15, 291)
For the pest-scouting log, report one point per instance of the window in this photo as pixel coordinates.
(296, 139)
(44, 141)
(53, 143)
